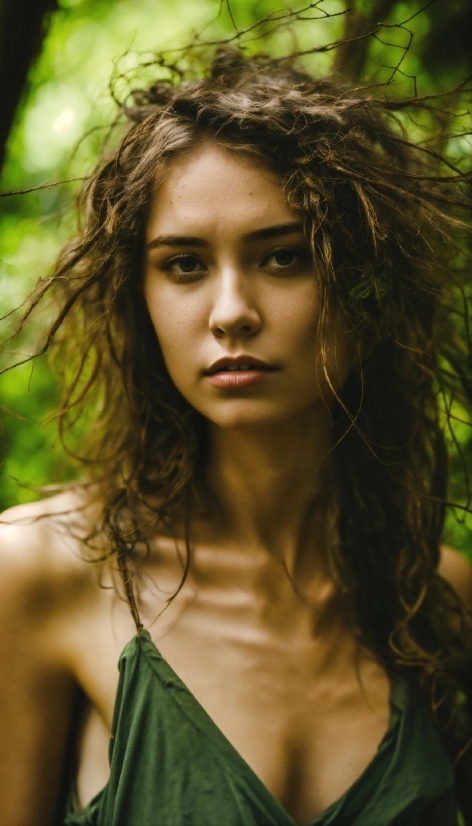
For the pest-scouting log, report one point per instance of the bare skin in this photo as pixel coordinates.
(277, 678)
(258, 632)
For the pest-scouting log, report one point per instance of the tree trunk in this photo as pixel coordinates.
(23, 25)
(351, 56)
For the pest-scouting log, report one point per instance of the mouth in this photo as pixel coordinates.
(239, 364)
(238, 373)
(233, 368)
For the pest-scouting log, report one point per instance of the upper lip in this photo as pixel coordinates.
(238, 361)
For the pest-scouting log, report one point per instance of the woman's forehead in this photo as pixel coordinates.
(213, 186)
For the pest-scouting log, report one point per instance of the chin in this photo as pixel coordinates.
(246, 416)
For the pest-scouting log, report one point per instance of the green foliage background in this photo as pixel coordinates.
(68, 97)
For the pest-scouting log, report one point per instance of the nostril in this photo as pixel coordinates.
(235, 322)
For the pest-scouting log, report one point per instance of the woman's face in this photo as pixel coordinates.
(231, 290)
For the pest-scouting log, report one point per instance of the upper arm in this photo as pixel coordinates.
(458, 572)
(36, 691)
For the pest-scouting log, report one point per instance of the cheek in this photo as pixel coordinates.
(315, 348)
(296, 319)
(176, 326)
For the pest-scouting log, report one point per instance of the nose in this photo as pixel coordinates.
(234, 313)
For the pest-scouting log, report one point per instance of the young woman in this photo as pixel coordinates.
(257, 323)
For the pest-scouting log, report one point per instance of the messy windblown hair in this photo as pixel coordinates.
(385, 218)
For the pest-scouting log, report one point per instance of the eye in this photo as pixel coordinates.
(284, 258)
(184, 267)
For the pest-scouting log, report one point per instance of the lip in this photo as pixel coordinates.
(238, 361)
(220, 376)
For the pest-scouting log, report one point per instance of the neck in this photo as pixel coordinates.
(273, 486)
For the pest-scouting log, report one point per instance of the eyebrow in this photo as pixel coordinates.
(263, 234)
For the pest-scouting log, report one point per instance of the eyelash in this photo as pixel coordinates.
(299, 257)
(182, 277)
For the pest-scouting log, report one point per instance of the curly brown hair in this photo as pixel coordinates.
(385, 217)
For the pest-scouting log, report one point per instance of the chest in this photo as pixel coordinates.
(307, 731)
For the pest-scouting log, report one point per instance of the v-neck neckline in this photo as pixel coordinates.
(200, 718)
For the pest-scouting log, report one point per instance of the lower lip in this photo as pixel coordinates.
(234, 379)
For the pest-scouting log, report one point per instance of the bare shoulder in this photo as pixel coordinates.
(45, 534)
(455, 568)
(41, 556)
(43, 581)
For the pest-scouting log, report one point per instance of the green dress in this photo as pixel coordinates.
(170, 765)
